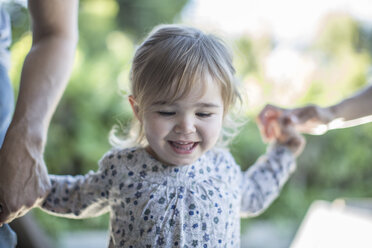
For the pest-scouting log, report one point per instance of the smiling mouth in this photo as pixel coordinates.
(183, 147)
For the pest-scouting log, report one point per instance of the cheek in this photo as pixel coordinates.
(154, 127)
(212, 130)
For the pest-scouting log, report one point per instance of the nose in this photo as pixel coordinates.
(185, 125)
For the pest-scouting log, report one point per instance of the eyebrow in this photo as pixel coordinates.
(199, 105)
(207, 105)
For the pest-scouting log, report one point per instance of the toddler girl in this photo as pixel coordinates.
(174, 188)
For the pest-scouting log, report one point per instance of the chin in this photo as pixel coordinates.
(169, 157)
(176, 162)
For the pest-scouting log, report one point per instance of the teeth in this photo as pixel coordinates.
(183, 143)
(187, 146)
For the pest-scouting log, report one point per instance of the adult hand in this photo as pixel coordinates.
(310, 119)
(23, 175)
(287, 135)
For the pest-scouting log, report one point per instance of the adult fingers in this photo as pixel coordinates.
(309, 119)
(305, 114)
(9, 211)
(289, 136)
(5, 214)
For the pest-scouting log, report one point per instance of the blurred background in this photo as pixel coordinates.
(287, 52)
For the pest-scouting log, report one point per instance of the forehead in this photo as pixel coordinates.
(203, 89)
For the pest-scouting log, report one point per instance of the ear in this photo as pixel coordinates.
(134, 106)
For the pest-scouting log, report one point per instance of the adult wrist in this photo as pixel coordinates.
(332, 112)
(33, 135)
(334, 118)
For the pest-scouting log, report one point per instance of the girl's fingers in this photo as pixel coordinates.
(269, 112)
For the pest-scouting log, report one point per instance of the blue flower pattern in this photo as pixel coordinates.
(154, 205)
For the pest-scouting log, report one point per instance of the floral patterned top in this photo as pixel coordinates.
(154, 205)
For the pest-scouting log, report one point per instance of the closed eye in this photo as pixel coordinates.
(203, 115)
(166, 113)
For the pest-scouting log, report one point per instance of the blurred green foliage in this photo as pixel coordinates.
(337, 164)
(139, 17)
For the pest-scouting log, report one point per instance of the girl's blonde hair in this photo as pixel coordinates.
(172, 60)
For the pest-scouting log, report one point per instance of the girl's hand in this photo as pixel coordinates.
(265, 119)
(277, 125)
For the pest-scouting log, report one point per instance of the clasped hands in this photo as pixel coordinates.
(24, 178)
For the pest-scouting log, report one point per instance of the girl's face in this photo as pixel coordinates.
(180, 132)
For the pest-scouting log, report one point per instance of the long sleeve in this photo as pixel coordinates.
(77, 196)
(81, 196)
(262, 182)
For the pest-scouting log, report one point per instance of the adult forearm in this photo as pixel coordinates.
(48, 65)
(42, 88)
(352, 111)
(356, 106)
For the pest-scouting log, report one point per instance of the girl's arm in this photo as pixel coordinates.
(262, 182)
(78, 196)
(82, 196)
